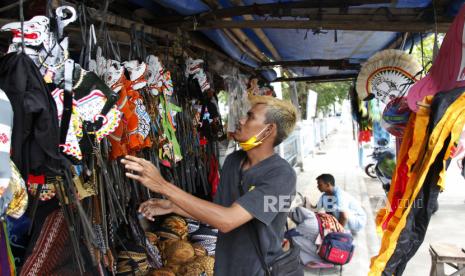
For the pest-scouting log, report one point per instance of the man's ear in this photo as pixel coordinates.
(272, 128)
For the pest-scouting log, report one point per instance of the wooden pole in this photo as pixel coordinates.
(338, 64)
(239, 45)
(348, 25)
(324, 78)
(241, 36)
(260, 33)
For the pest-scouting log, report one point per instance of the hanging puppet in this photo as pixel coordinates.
(137, 72)
(93, 101)
(84, 106)
(125, 136)
(195, 68)
(160, 84)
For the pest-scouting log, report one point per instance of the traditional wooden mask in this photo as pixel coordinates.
(113, 73)
(154, 74)
(41, 44)
(193, 66)
(36, 31)
(136, 71)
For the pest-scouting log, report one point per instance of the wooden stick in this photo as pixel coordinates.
(339, 64)
(350, 25)
(324, 78)
(260, 33)
(242, 36)
(239, 45)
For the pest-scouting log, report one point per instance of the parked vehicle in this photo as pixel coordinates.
(384, 165)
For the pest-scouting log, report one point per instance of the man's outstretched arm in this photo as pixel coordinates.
(223, 218)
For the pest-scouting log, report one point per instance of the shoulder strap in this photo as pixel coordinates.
(252, 229)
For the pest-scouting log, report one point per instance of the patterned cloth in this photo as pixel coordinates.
(205, 236)
(49, 249)
(6, 121)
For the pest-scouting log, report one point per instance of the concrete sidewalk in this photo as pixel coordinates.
(339, 156)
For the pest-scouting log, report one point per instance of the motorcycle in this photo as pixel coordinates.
(384, 166)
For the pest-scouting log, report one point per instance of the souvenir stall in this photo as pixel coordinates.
(427, 117)
(142, 79)
(65, 203)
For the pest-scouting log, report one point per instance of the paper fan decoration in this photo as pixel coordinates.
(387, 75)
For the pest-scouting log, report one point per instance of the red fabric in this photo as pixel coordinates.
(398, 187)
(203, 141)
(214, 175)
(36, 179)
(364, 136)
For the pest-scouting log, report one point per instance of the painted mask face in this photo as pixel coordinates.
(36, 31)
(136, 72)
(114, 72)
(193, 66)
(51, 55)
(154, 74)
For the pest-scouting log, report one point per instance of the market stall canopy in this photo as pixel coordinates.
(317, 40)
(311, 40)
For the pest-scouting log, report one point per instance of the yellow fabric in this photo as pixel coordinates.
(450, 124)
(416, 131)
(252, 142)
(406, 143)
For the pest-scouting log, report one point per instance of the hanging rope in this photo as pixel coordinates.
(422, 53)
(21, 18)
(104, 18)
(435, 46)
(413, 44)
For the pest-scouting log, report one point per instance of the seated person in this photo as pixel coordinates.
(307, 234)
(340, 204)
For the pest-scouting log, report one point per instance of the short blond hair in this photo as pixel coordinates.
(279, 112)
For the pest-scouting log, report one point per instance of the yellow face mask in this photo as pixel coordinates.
(252, 142)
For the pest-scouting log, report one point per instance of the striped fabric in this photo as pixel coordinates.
(6, 121)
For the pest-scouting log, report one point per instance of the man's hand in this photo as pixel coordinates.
(145, 172)
(343, 218)
(155, 207)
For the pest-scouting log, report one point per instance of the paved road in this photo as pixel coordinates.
(338, 156)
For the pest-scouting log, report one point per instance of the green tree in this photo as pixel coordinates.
(330, 93)
(424, 55)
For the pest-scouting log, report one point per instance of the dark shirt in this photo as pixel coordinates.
(35, 135)
(272, 177)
